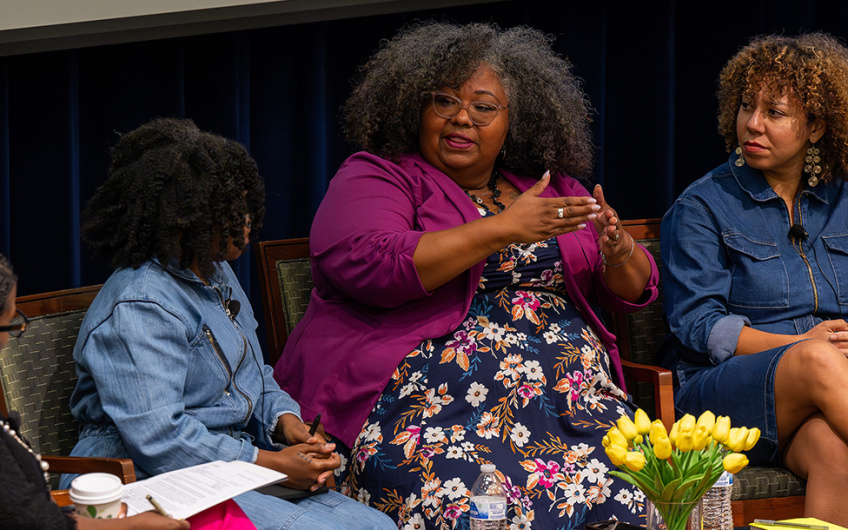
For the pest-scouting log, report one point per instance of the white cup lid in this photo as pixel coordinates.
(96, 488)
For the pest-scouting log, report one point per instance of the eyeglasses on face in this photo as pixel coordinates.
(18, 325)
(481, 113)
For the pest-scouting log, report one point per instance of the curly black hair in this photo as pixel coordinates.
(172, 189)
(549, 114)
(812, 68)
(7, 281)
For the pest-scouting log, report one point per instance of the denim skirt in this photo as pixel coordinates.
(741, 388)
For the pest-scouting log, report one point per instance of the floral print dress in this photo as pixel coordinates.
(523, 383)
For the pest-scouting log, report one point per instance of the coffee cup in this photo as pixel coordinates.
(97, 495)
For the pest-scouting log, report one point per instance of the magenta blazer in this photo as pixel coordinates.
(369, 310)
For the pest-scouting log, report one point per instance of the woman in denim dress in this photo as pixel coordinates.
(755, 265)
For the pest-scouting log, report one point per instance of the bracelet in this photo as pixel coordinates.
(608, 264)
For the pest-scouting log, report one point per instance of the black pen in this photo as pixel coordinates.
(315, 422)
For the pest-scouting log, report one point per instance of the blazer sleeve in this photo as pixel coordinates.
(365, 234)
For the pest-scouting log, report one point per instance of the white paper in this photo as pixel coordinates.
(185, 492)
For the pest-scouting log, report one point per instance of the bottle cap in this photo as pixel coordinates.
(487, 468)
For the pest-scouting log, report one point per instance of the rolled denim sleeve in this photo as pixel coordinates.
(696, 282)
(721, 343)
(138, 358)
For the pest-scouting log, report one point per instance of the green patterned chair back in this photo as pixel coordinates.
(38, 373)
(295, 277)
(38, 376)
(285, 279)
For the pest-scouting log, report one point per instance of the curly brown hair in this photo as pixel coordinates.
(171, 189)
(812, 68)
(549, 114)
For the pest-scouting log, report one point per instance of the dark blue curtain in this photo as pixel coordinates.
(649, 68)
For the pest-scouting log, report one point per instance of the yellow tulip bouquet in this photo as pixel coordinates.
(674, 469)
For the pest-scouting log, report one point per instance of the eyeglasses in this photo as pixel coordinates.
(18, 325)
(481, 113)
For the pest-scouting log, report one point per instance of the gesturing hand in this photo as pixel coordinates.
(532, 218)
(614, 247)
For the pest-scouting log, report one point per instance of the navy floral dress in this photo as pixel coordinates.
(523, 383)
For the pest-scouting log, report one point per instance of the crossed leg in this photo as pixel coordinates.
(811, 402)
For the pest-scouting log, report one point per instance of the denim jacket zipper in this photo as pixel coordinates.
(800, 249)
(223, 359)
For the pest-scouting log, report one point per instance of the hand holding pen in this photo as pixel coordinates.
(315, 423)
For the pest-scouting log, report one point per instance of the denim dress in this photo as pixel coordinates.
(523, 383)
(730, 259)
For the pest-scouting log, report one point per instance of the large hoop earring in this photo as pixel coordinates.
(741, 160)
(812, 165)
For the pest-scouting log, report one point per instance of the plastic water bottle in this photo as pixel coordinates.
(718, 514)
(488, 501)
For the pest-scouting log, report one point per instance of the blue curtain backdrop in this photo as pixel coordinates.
(649, 68)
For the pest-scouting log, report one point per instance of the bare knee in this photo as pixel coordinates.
(813, 361)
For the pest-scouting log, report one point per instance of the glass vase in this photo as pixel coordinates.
(674, 515)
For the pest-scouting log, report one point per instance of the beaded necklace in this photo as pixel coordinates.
(11, 432)
(493, 187)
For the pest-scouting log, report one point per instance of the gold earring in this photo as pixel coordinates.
(812, 165)
(741, 160)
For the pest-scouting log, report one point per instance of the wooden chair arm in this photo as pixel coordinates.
(663, 383)
(120, 467)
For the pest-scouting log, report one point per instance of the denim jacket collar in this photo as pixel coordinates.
(757, 187)
(188, 275)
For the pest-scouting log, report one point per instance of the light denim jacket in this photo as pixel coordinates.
(167, 378)
(728, 261)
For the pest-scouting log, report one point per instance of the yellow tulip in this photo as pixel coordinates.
(700, 438)
(616, 438)
(662, 448)
(721, 431)
(751, 440)
(657, 431)
(707, 420)
(687, 424)
(627, 427)
(673, 434)
(638, 440)
(634, 460)
(685, 442)
(736, 439)
(734, 462)
(643, 422)
(616, 454)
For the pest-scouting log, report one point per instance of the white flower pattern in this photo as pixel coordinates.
(500, 388)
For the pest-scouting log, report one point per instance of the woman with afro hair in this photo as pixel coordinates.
(458, 269)
(171, 373)
(755, 262)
